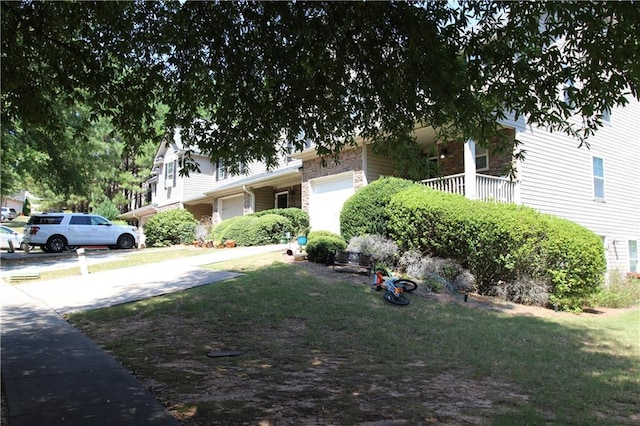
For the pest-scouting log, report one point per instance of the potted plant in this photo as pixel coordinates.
(302, 236)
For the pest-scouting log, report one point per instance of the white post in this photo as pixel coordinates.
(470, 169)
(83, 262)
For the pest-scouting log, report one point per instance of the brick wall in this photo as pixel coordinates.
(453, 163)
(350, 160)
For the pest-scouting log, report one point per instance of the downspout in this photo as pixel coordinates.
(253, 197)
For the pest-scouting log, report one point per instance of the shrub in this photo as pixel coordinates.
(500, 242)
(619, 292)
(524, 290)
(236, 228)
(384, 250)
(268, 229)
(316, 234)
(321, 247)
(299, 219)
(365, 211)
(169, 227)
(424, 267)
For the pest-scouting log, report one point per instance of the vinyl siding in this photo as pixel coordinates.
(198, 183)
(557, 178)
(377, 166)
(265, 198)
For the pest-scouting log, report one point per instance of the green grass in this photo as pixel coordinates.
(335, 352)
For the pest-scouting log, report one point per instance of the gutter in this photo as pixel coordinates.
(253, 197)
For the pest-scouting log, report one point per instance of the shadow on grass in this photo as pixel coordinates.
(366, 360)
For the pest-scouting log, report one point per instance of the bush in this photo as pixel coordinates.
(236, 228)
(525, 290)
(299, 219)
(251, 230)
(317, 234)
(169, 227)
(424, 267)
(268, 229)
(322, 246)
(384, 250)
(365, 211)
(619, 292)
(500, 242)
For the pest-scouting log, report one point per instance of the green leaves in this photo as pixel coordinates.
(241, 77)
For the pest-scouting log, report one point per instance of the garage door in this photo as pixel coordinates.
(231, 207)
(326, 199)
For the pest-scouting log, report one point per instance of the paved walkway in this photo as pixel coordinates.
(54, 375)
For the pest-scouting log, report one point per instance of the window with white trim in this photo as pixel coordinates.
(598, 178)
(482, 158)
(633, 255)
(170, 174)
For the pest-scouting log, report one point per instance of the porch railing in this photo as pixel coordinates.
(488, 188)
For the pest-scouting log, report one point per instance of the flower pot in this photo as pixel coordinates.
(230, 243)
(302, 240)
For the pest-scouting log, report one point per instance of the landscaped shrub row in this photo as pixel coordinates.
(265, 227)
(499, 242)
(299, 219)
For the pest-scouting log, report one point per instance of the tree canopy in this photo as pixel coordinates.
(248, 80)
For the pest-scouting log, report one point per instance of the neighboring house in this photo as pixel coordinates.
(598, 188)
(15, 201)
(213, 193)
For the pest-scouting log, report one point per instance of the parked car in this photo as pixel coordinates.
(55, 232)
(7, 234)
(9, 213)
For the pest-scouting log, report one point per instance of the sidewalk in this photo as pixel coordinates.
(54, 375)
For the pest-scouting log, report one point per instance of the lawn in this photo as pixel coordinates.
(322, 348)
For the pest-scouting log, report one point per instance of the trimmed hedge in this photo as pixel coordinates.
(500, 242)
(268, 229)
(299, 218)
(169, 227)
(322, 245)
(235, 228)
(252, 230)
(365, 211)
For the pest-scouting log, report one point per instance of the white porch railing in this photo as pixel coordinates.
(488, 188)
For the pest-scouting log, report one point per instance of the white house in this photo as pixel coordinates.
(598, 188)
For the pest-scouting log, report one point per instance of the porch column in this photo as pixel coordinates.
(470, 169)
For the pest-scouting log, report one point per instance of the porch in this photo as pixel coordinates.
(486, 188)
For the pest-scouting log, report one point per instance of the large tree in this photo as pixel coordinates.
(245, 80)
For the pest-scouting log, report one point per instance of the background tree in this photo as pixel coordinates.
(246, 80)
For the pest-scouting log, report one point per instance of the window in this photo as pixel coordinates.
(633, 256)
(606, 116)
(222, 170)
(97, 220)
(282, 200)
(224, 173)
(80, 220)
(170, 174)
(598, 178)
(482, 158)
